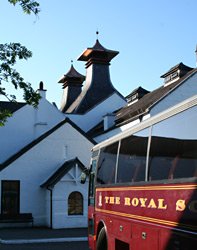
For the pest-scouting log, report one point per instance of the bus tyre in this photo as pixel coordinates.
(101, 243)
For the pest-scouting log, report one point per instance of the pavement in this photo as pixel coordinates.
(41, 235)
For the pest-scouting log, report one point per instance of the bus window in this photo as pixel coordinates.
(132, 159)
(107, 164)
(173, 150)
(160, 157)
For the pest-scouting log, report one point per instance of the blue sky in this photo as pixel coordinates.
(151, 35)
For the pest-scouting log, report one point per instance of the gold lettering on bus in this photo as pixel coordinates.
(161, 204)
(127, 201)
(100, 200)
(147, 203)
(152, 204)
(111, 200)
(117, 200)
(180, 205)
(135, 202)
(106, 199)
(143, 202)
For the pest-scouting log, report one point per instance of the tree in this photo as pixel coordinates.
(28, 6)
(9, 54)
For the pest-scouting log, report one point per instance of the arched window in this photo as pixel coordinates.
(75, 203)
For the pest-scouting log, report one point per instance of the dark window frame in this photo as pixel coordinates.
(106, 166)
(3, 193)
(73, 203)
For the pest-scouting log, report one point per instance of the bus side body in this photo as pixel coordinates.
(143, 183)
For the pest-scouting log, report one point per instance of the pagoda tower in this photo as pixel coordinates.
(98, 86)
(72, 86)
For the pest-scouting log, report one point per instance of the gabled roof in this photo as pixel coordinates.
(60, 172)
(39, 139)
(11, 106)
(143, 105)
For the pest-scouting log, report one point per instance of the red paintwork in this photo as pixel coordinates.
(91, 236)
(154, 210)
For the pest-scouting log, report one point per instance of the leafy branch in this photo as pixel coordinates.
(9, 55)
(28, 6)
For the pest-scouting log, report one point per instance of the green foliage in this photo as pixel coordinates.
(28, 6)
(9, 55)
(4, 114)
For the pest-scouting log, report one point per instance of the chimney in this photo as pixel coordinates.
(109, 121)
(41, 90)
(72, 85)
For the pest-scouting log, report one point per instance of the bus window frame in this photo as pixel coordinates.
(92, 177)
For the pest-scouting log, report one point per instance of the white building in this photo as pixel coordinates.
(179, 84)
(44, 150)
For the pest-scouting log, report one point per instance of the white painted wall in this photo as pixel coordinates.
(68, 184)
(35, 166)
(186, 90)
(26, 125)
(95, 115)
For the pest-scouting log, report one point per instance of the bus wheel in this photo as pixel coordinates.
(101, 243)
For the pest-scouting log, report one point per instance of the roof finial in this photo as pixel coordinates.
(71, 62)
(97, 33)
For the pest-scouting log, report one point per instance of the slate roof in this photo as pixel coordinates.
(143, 105)
(39, 139)
(136, 94)
(60, 172)
(182, 67)
(89, 98)
(11, 106)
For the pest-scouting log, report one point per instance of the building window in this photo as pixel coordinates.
(75, 204)
(10, 199)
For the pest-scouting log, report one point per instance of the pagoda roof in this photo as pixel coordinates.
(72, 74)
(88, 53)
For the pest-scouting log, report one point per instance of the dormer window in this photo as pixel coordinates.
(172, 77)
(175, 73)
(135, 95)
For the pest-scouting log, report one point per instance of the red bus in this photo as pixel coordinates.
(142, 185)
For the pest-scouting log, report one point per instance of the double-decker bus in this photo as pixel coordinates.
(142, 185)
